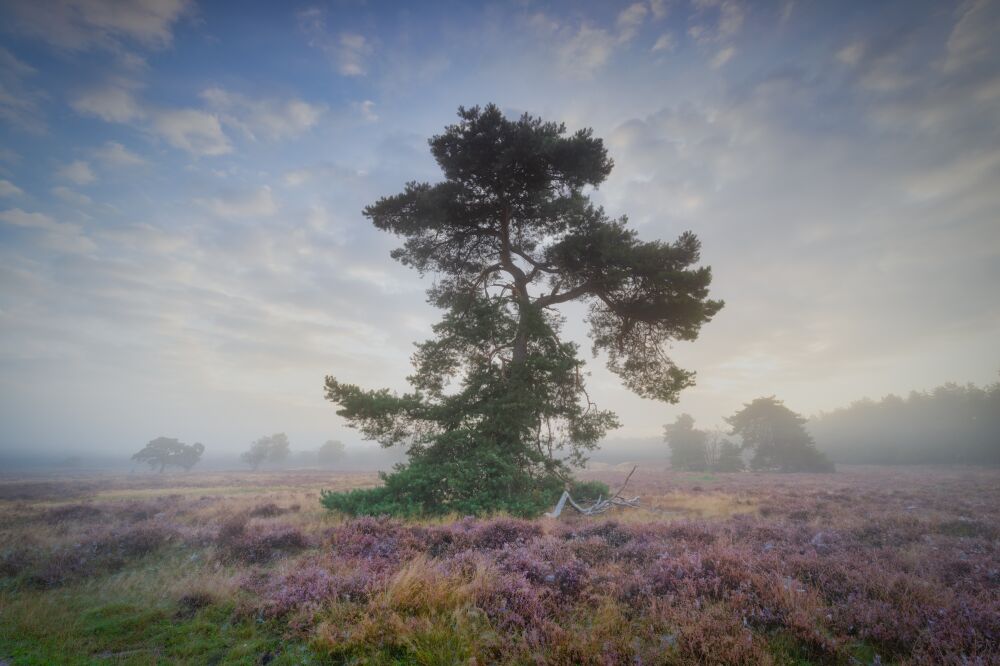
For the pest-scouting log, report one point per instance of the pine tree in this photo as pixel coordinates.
(499, 413)
(777, 437)
(688, 446)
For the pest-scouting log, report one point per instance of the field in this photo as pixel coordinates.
(868, 565)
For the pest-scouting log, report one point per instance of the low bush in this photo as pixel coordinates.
(258, 544)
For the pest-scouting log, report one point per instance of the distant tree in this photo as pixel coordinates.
(777, 438)
(304, 458)
(728, 457)
(688, 446)
(331, 452)
(951, 424)
(499, 415)
(164, 451)
(190, 456)
(271, 449)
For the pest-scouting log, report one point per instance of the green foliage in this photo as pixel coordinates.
(688, 446)
(589, 490)
(777, 438)
(164, 451)
(272, 449)
(330, 453)
(499, 415)
(728, 458)
(407, 493)
(950, 424)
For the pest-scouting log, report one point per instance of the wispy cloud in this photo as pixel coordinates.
(348, 50)
(255, 203)
(113, 103)
(630, 20)
(78, 172)
(722, 57)
(83, 24)
(270, 119)
(9, 189)
(197, 132)
(115, 154)
(58, 236)
(20, 103)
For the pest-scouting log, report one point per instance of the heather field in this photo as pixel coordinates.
(867, 565)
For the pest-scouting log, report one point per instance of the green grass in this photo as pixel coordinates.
(69, 629)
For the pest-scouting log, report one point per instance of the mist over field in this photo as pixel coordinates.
(632, 332)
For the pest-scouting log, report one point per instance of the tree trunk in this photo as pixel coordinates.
(520, 348)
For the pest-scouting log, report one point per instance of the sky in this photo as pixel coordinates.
(182, 249)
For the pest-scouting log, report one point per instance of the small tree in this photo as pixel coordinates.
(330, 453)
(272, 449)
(163, 451)
(498, 415)
(688, 446)
(777, 438)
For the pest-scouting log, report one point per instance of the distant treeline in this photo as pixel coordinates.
(951, 424)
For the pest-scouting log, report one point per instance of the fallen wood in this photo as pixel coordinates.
(598, 507)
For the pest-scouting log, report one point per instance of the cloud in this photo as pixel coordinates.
(852, 53)
(63, 238)
(585, 52)
(974, 37)
(352, 51)
(348, 50)
(716, 20)
(20, 104)
(385, 282)
(78, 25)
(20, 218)
(71, 197)
(115, 154)
(113, 103)
(664, 43)
(78, 172)
(256, 203)
(630, 20)
(9, 189)
(264, 118)
(325, 173)
(194, 131)
(722, 57)
(367, 110)
(659, 9)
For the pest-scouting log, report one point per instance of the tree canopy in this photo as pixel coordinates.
(688, 446)
(950, 424)
(695, 450)
(330, 453)
(499, 412)
(163, 451)
(273, 449)
(777, 438)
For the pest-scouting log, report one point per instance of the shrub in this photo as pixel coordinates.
(500, 532)
(414, 491)
(14, 562)
(307, 587)
(258, 544)
(269, 510)
(72, 513)
(189, 604)
(101, 554)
